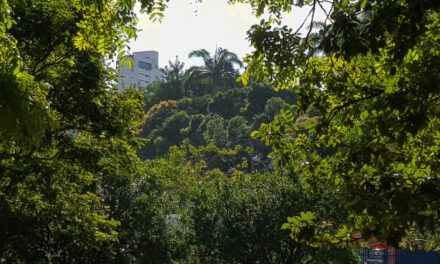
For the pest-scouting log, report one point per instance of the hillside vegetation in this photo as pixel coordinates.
(190, 106)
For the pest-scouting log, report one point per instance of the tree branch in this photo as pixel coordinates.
(339, 108)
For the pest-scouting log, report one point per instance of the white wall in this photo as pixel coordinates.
(137, 76)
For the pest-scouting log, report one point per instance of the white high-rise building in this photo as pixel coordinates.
(144, 71)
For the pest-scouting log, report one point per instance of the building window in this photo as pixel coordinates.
(145, 65)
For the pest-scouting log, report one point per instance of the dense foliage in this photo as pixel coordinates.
(371, 69)
(72, 188)
(357, 155)
(207, 109)
(68, 138)
(237, 219)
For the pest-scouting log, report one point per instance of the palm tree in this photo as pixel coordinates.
(219, 68)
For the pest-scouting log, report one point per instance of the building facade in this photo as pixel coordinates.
(144, 71)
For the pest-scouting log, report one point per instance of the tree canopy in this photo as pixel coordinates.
(102, 26)
(68, 137)
(224, 117)
(219, 67)
(356, 155)
(371, 71)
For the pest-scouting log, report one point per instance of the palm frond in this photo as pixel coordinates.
(219, 67)
(201, 53)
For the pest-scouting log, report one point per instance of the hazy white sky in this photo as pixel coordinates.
(188, 26)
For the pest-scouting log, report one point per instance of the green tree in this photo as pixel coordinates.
(66, 134)
(229, 103)
(173, 130)
(143, 203)
(219, 68)
(195, 104)
(214, 131)
(102, 26)
(259, 93)
(238, 219)
(238, 132)
(375, 85)
(175, 70)
(228, 220)
(272, 108)
(172, 88)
